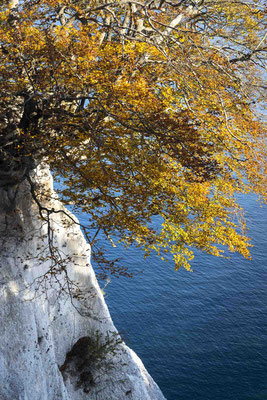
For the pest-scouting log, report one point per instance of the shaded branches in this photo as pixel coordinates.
(142, 109)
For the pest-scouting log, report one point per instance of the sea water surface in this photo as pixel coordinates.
(202, 335)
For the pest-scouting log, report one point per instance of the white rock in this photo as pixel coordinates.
(40, 322)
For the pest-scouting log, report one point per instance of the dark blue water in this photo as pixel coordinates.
(202, 335)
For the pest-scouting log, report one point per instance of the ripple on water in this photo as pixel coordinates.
(202, 335)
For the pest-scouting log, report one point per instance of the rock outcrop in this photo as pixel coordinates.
(58, 341)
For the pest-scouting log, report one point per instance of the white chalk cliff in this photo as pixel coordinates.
(56, 342)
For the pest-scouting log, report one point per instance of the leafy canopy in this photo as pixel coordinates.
(144, 108)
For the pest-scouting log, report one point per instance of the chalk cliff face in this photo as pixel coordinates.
(58, 341)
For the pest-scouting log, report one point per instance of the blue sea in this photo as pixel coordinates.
(202, 335)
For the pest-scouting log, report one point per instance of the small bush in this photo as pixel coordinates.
(89, 356)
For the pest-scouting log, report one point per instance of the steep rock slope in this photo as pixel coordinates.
(58, 341)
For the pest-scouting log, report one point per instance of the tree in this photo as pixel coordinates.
(143, 109)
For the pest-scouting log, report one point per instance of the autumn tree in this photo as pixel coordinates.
(142, 108)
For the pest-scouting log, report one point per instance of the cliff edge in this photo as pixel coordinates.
(58, 341)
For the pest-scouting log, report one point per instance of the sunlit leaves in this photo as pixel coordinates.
(142, 121)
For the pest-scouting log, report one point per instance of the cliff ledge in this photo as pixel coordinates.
(58, 341)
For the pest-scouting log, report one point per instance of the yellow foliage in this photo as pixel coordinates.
(143, 124)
